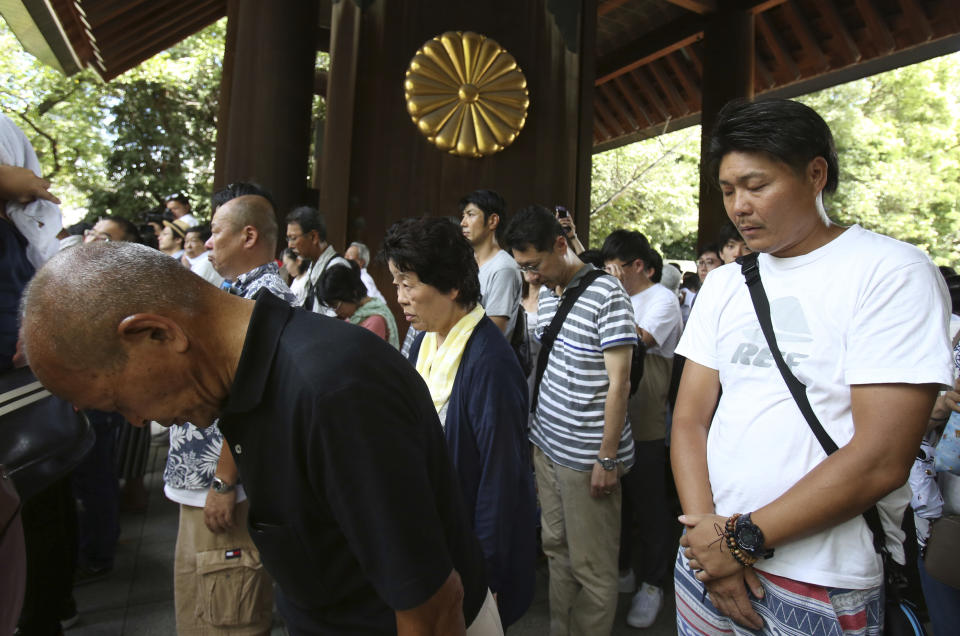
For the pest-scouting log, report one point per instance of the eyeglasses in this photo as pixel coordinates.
(293, 237)
(531, 269)
(707, 262)
(93, 235)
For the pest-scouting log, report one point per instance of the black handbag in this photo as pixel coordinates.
(900, 617)
(42, 438)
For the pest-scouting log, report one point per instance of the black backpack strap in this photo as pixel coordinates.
(550, 333)
(750, 269)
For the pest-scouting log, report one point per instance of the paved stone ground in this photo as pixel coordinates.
(137, 598)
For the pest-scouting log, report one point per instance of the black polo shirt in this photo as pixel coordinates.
(354, 503)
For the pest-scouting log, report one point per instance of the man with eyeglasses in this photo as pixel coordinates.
(307, 236)
(644, 554)
(580, 429)
(707, 260)
(112, 228)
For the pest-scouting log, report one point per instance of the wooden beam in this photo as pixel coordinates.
(804, 33)
(606, 7)
(763, 73)
(697, 6)
(680, 105)
(778, 48)
(615, 126)
(650, 93)
(691, 54)
(599, 128)
(690, 83)
(614, 100)
(676, 35)
(918, 18)
(627, 92)
(847, 47)
(877, 28)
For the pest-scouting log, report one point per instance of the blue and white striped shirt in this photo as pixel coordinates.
(568, 423)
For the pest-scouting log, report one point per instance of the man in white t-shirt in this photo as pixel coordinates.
(179, 206)
(481, 219)
(645, 526)
(774, 526)
(307, 236)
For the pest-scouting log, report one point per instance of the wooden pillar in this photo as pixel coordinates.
(378, 167)
(269, 87)
(728, 71)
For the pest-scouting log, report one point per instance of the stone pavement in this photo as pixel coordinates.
(137, 598)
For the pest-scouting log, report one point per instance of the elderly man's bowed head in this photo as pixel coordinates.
(121, 327)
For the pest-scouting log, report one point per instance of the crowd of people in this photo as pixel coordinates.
(362, 482)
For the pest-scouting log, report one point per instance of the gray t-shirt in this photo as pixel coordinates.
(500, 285)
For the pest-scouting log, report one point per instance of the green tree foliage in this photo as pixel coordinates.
(898, 140)
(120, 147)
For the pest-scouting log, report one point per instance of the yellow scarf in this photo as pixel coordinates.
(438, 366)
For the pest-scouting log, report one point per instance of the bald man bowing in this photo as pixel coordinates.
(354, 505)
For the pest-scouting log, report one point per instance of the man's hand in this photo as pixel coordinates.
(441, 614)
(218, 511)
(21, 185)
(729, 596)
(603, 482)
(706, 547)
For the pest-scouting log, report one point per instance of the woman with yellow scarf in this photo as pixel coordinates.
(480, 394)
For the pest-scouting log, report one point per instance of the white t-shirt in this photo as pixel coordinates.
(657, 311)
(862, 309)
(500, 285)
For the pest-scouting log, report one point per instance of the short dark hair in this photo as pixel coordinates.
(177, 196)
(628, 245)
(488, 201)
(309, 219)
(709, 247)
(591, 257)
(728, 232)
(534, 226)
(782, 129)
(202, 230)
(436, 251)
(130, 232)
(239, 189)
(341, 283)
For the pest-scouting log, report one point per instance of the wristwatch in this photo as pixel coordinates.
(221, 486)
(608, 463)
(749, 538)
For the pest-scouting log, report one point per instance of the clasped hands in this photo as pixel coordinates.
(725, 579)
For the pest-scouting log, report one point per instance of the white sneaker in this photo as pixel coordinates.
(645, 606)
(626, 584)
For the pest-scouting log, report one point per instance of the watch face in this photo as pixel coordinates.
(608, 464)
(749, 537)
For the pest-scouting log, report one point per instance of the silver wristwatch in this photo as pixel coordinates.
(221, 486)
(608, 463)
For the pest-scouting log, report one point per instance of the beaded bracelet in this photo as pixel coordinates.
(741, 557)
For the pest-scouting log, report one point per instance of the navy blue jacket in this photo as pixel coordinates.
(486, 433)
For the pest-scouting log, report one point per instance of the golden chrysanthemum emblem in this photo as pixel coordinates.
(466, 94)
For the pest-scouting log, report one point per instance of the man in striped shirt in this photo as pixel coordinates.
(580, 430)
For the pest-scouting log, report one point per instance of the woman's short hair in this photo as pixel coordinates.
(340, 283)
(783, 129)
(436, 251)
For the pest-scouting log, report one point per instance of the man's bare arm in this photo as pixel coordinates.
(439, 615)
(617, 363)
(692, 414)
(219, 508)
(889, 420)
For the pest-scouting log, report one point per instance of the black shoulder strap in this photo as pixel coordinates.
(550, 333)
(751, 272)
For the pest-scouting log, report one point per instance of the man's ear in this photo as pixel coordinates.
(250, 236)
(560, 245)
(493, 221)
(817, 172)
(155, 328)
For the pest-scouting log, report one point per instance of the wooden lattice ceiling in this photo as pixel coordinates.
(648, 80)
(648, 52)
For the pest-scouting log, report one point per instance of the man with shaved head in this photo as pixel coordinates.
(354, 505)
